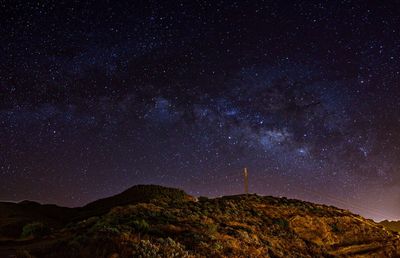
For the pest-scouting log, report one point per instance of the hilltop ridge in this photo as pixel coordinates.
(167, 222)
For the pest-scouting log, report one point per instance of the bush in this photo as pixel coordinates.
(104, 227)
(140, 226)
(217, 246)
(35, 229)
(335, 228)
(283, 223)
(212, 228)
(23, 254)
(160, 248)
(202, 199)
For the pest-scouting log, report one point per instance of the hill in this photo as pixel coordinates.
(13, 216)
(135, 194)
(391, 225)
(170, 223)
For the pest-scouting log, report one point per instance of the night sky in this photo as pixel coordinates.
(98, 96)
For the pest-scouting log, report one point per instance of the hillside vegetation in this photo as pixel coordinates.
(165, 222)
(391, 225)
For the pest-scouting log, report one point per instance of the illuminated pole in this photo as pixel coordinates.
(246, 181)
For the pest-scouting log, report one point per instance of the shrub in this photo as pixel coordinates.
(217, 246)
(212, 228)
(335, 228)
(194, 237)
(165, 218)
(160, 248)
(283, 223)
(104, 227)
(202, 199)
(35, 229)
(140, 225)
(23, 254)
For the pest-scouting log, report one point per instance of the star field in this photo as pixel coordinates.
(98, 96)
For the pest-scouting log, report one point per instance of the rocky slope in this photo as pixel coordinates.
(173, 224)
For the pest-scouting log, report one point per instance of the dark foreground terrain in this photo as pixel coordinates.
(154, 221)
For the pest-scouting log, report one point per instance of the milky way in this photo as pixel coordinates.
(99, 96)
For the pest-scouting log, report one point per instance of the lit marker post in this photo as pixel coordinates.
(246, 181)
